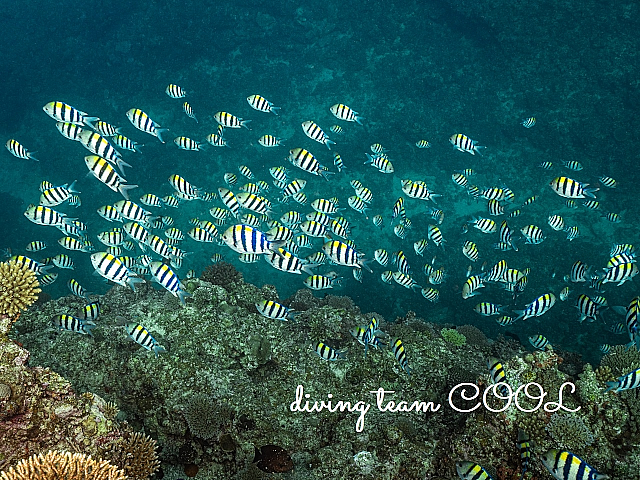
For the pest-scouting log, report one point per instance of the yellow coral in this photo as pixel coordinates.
(19, 288)
(56, 465)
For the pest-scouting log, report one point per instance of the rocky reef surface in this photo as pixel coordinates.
(225, 386)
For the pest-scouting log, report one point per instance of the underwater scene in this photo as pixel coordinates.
(253, 240)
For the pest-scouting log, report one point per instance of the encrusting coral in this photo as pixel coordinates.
(19, 288)
(62, 465)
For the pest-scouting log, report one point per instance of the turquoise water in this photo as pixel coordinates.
(414, 71)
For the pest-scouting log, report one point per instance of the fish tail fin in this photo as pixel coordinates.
(88, 121)
(133, 281)
(124, 190)
(359, 119)
(245, 124)
(274, 110)
(182, 295)
(159, 132)
(328, 143)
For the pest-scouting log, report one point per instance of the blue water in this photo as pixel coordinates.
(413, 70)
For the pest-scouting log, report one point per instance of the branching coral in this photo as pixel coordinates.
(135, 454)
(19, 288)
(56, 465)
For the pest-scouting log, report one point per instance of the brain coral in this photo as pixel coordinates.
(57, 465)
(19, 288)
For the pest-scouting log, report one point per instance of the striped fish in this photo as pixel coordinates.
(127, 144)
(564, 465)
(258, 102)
(397, 348)
(69, 130)
(539, 342)
(497, 375)
(269, 141)
(227, 120)
(381, 162)
(175, 91)
(188, 110)
(72, 324)
(321, 282)
(569, 188)
(76, 288)
(66, 113)
(246, 239)
(103, 171)
(42, 215)
(229, 200)
(343, 112)
(533, 234)
(182, 186)
(472, 471)
(91, 311)
(36, 267)
(525, 445)
(327, 353)
(274, 310)
(312, 130)
(114, 270)
(98, 145)
(538, 307)
(286, 261)
(142, 122)
(166, 277)
(463, 143)
(56, 195)
(625, 382)
(142, 337)
(186, 143)
(17, 150)
(305, 160)
(342, 254)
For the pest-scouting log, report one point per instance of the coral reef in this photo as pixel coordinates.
(63, 465)
(452, 336)
(230, 375)
(569, 431)
(19, 288)
(223, 274)
(205, 416)
(134, 454)
(474, 335)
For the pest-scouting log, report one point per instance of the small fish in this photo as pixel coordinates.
(337, 129)
(546, 165)
(564, 465)
(381, 162)
(274, 310)
(343, 112)
(556, 222)
(605, 348)
(564, 294)
(186, 143)
(314, 132)
(528, 122)
(525, 445)
(166, 277)
(397, 348)
(572, 189)
(66, 113)
(487, 309)
(608, 182)
(327, 353)
(269, 141)
(258, 102)
(175, 91)
(538, 307)
(113, 269)
(142, 337)
(463, 143)
(423, 144)
(142, 122)
(497, 375)
(539, 342)
(72, 324)
(572, 165)
(188, 110)
(337, 162)
(90, 312)
(17, 150)
(472, 471)
(103, 171)
(76, 288)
